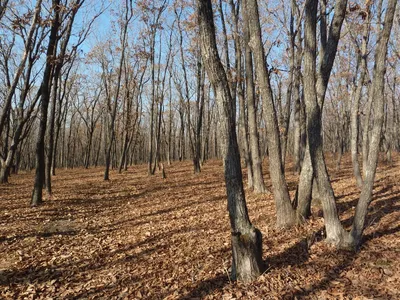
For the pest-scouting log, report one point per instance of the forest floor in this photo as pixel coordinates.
(140, 237)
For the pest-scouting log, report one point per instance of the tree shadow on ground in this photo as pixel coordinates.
(296, 254)
(380, 233)
(333, 274)
(58, 271)
(346, 260)
(383, 203)
(41, 234)
(206, 287)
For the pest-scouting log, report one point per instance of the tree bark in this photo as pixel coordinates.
(246, 239)
(284, 211)
(255, 155)
(243, 114)
(366, 131)
(314, 102)
(45, 98)
(378, 85)
(296, 95)
(355, 120)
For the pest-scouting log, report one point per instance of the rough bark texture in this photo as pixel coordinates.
(4, 172)
(378, 85)
(334, 230)
(366, 131)
(284, 211)
(304, 189)
(243, 113)
(256, 160)
(246, 240)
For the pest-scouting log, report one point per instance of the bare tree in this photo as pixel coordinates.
(257, 181)
(44, 91)
(285, 213)
(113, 109)
(378, 85)
(246, 239)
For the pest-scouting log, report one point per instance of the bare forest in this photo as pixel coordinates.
(199, 149)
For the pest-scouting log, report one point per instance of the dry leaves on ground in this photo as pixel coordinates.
(140, 237)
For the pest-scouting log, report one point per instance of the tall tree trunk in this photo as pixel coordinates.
(225, 50)
(199, 114)
(246, 239)
(243, 118)
(366, 130)
(45, 98)
(314, 103)
(170, 122)
(284, 211)
(378, 85)
(50, 148)
(255, 156)
(296, 95)
(128, 17)
(355, 120)
(391, 123)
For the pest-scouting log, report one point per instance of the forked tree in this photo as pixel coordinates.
(314, 95)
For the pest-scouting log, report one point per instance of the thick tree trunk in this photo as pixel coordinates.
(181, 154)
(286, 123)
(306, 185)
(5, 164)
(58, 129)
(4, 173)
(297, 131)
(108, 153)
(246, 240)
(169, 146)
(391, 123)
(89, 148)
(127, 124)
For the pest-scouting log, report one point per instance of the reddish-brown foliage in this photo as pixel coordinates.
(144, 237)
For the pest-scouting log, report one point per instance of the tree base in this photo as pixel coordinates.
(37, 197)
(260, 189)
(3, 175)
(247, 262)
(343, 240)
